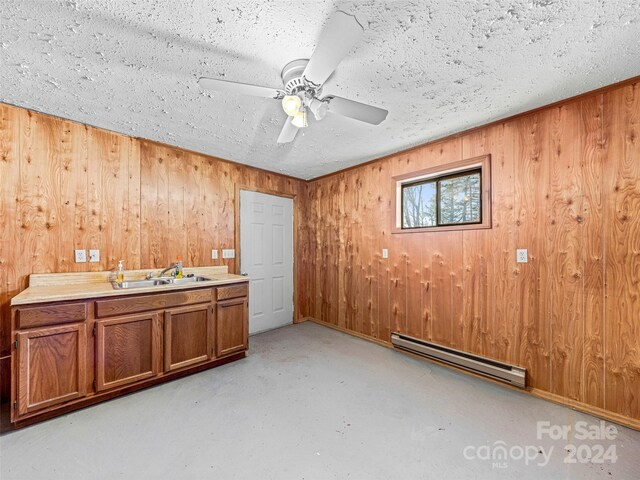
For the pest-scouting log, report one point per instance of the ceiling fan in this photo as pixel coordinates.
(303, 80)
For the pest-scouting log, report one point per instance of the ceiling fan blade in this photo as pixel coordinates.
(359, 111)
(340, 33)
(239, 88)
(288, 132)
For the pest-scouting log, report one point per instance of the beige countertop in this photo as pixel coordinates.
(77, 286)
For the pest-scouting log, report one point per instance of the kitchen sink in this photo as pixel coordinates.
(140, 283)
(180, 281)
(154, 282)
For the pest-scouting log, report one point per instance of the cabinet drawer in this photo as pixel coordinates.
(232, 291)
(144, 303)
(38, 316)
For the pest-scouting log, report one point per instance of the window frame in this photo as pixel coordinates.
(481, 164)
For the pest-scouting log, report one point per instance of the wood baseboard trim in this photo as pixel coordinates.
(583, 407)
(542, 394)
(350, 332)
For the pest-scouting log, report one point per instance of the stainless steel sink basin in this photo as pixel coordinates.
(140, 283)
(153, 282)
(180, 281)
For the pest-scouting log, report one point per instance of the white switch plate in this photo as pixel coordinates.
(228, 253)
(214, 254)
(94, 256)
(81, 256)
(522, 255)
(385, 253)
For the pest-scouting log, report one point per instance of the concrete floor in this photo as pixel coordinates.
(310, 403)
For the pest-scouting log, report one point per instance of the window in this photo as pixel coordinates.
(454, 196)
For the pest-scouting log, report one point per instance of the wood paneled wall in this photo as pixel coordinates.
(566, 186)
(66, 185)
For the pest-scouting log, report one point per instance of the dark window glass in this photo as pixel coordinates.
(447, 200)
(460, 199)
(419, 205)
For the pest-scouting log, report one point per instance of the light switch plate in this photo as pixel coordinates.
(522, 255)
(228, 253)
(214, 254)
(81, 256)
(94, 256)
(385, 253)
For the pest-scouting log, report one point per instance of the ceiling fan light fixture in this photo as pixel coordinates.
(318, 108)
(291, 105)
(303, 80)
(300, 119)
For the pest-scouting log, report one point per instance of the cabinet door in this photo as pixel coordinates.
(232, 329)
(188, 336)
(51, 366)
(127, 350)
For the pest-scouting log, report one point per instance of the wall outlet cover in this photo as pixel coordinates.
(94, 256)
(385, 253)
(228, 253)
(522, 255)
(214, 254)
(81, 256)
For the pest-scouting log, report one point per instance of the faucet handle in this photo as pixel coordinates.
(149, 275)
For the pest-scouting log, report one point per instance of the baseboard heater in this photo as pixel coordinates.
(510, 374)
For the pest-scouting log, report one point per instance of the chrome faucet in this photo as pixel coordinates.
(170, 267)
(149, 275)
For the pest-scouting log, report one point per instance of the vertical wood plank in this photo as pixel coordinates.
(442, 267)
(176, 186)
(39, 193)
(383, 240)
(414, 307)
(622, 244)
(478, 264)
(132, 226)
(506, 331)
(10, 249)
(566, 244)
(95, 236)
(71, 148)
(533, 313)
(593, 251)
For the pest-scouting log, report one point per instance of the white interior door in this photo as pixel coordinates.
(266, 255)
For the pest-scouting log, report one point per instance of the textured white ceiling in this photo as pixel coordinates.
(438, 66)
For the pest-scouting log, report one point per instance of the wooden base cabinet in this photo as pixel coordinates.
(76, 353)
(232, 326)
(127, 350)
(188, 336)
(52, 365)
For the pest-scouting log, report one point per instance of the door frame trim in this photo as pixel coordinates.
(296, 222)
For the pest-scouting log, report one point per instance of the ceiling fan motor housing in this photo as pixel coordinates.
(292, 78)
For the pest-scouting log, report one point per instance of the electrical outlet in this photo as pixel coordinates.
(522, 255)
(94, 256)
(214, 254)
(81, 256)
(385, 253)
(228, 253)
